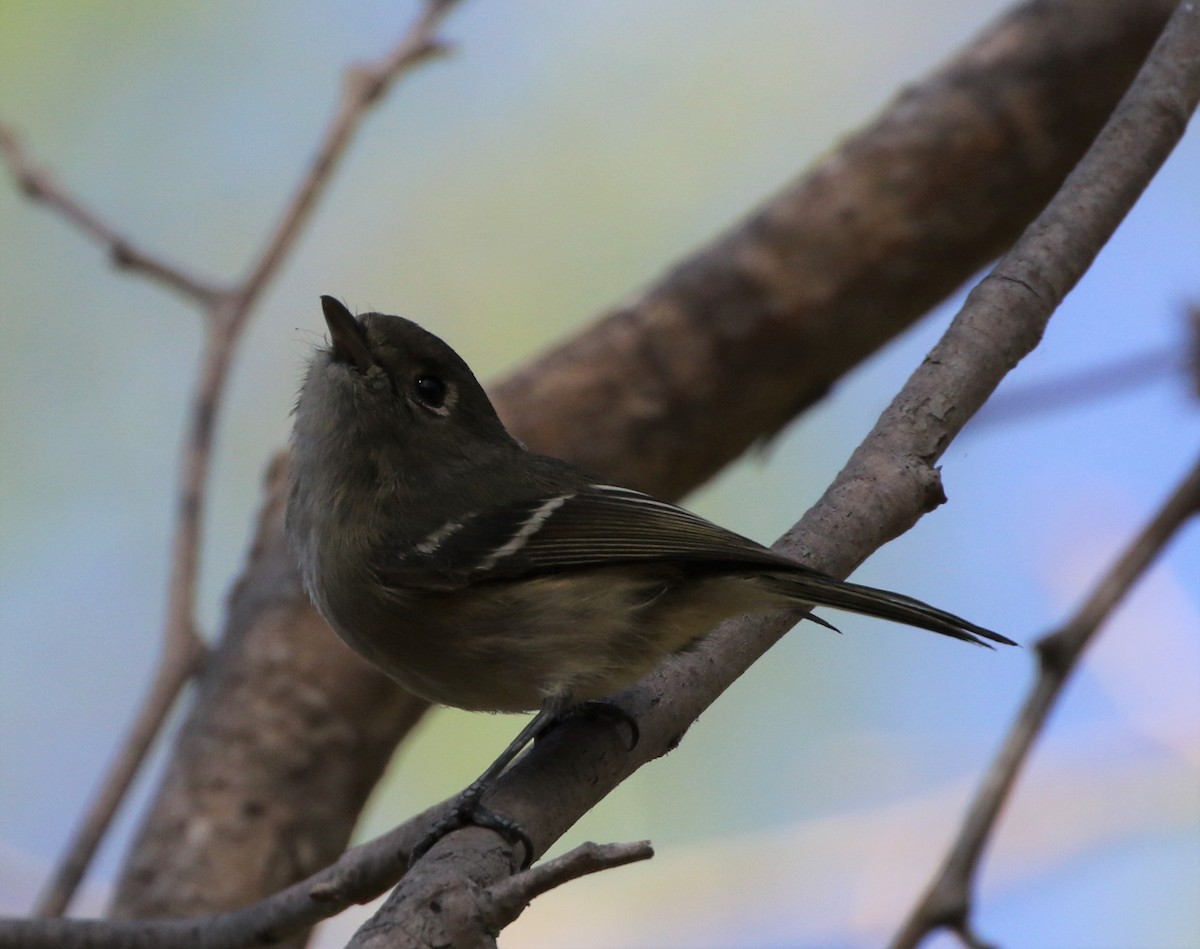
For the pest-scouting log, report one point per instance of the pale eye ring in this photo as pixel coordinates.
(430, 390)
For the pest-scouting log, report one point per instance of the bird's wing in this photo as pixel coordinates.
(601, 526)
(592, 526)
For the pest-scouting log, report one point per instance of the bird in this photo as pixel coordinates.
(481, 575)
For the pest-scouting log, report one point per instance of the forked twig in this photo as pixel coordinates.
(226, 311)
(361, 874)
(39, 185)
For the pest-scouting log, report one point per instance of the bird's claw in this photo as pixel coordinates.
(468, 811)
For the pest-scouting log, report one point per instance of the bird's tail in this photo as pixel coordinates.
(821, 590)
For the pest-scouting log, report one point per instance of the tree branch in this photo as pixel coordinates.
(226, 312)
(39, 185)
(509, 897)
(363, 85)
(359, 876)
(887, 485)
(1009, 115)
(947, 901)
(841, 260)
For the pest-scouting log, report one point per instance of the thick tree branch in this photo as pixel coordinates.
(887, 485)
(840, 261)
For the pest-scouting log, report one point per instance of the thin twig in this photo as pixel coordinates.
(947, 902)
(1083, 388)
(173, 673)
(358, 876)
(39, 185)
(363, 85)
(509, 897)
(226, 312)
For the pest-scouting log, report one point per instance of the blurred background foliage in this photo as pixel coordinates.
(562, 157)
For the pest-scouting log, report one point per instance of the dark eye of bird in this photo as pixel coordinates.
(431, 390)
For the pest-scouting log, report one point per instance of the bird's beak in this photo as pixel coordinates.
(347, 335)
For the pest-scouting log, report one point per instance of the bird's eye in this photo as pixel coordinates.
(430, 390)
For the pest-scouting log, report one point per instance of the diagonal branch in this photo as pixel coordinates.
(886, 486)
(809, 284)
(358, 877)
(39, 185)
(947, 901)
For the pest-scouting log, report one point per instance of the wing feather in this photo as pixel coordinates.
(604, 526)
(593, 526)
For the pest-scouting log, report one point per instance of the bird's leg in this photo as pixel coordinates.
(467, 809)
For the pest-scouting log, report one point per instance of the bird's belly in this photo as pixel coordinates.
(507, 647)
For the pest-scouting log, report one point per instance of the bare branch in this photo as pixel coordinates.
(509, 897)
(226, 312)
(889, 224)
(361, 874)
(839, 261)
(947, 901)
(1085, 387)
(179, 665)
(363, 85)
(1142, 132)
(887, 485)
(40, 186)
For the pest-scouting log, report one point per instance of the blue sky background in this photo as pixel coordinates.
(563, 157)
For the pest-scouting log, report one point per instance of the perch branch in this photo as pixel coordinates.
(887, 485)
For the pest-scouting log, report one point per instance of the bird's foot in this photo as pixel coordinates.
(467, 811)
